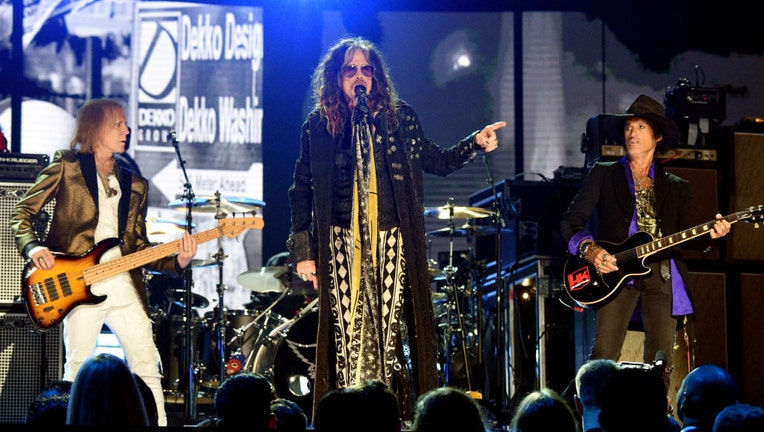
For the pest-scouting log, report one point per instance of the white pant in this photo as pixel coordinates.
(132, 329)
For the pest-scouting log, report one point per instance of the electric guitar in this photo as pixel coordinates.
(585, 285)
(49, 295)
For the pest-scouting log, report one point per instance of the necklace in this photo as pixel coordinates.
(110, 192)
(639, 183)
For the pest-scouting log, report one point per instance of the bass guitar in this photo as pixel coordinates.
(49, 295)
(586, 286)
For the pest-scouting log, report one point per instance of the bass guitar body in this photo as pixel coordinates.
(50, 295)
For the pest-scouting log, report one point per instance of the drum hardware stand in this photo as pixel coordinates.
(450, 271)
(241, 331)
(220, 318)
(188, 363)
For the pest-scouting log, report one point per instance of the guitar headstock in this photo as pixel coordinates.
(232, 227)
(753, 214)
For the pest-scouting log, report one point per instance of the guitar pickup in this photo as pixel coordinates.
(579, 279)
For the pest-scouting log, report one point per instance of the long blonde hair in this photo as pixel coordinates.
(91, 118)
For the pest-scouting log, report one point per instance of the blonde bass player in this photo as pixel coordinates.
(95, 200)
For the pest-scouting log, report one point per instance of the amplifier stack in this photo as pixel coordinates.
(29, 358)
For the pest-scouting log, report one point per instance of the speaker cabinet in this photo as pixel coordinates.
(29, 360)
(704, 188)
(13, 263)
(746, 242)
(702, 339)
(751, 348)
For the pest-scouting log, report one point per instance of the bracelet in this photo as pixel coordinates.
(584, 248)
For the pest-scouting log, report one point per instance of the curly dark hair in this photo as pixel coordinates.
(327, 84)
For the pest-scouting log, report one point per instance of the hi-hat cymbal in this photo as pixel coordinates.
(267, 279)
(465, 230)
(197, 300)
(456, 212)
(227, 204)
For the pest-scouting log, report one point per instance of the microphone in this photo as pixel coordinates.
(660, 362)
(171, 137)
(360, 98)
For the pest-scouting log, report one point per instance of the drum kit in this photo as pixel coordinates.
(458, 309)
(277, 340)
(277, 335)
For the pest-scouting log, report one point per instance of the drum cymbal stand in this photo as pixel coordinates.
(220, 318)
(453, 303)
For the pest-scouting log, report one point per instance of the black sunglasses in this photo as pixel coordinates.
(349, 71)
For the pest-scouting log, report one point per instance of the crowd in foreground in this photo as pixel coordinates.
(605, 396)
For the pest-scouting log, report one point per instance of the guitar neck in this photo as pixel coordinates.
(656, 246)
(109, 269)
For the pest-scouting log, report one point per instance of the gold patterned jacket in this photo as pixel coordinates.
(71, 180)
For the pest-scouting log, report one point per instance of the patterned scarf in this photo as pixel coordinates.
(365, 231)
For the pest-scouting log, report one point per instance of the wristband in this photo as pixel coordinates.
(584, 248)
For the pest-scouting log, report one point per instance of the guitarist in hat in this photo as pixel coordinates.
(97, 199)
(619, 199)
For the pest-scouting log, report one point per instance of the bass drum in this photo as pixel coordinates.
(288, 359)
(242, 336)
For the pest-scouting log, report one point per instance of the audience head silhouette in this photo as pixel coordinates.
(447, 408)
(635, 400)
(704, 392)
(244, 398)
(49, 407)
(289, 416)
(104, 392)
(543, 411)
(370, 406)
(590, 385)
(740, 417)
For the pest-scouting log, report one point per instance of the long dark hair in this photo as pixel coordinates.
(104, 392)
(327, 84)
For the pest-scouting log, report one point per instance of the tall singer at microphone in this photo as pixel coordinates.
(98, 197)
(358, 231)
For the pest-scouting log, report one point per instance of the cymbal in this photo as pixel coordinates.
(198, 301)
(465, 230)
(156, 226)
(456, 212)
(227, 204)
(267, 279)
(437, 274)
(201, 263)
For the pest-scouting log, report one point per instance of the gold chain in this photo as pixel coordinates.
(110, 192)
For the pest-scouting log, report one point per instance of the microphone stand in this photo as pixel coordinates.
(188, 362)
(502, 361)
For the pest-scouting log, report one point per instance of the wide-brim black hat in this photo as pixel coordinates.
(649, 109)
